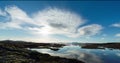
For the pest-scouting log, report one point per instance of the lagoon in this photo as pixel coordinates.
(86, 55)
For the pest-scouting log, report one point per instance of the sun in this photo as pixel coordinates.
(45, 31)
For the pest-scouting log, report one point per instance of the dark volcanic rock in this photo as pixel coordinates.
(13, 54)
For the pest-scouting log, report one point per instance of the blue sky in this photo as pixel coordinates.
(65, 21)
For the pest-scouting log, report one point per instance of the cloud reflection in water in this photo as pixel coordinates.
(73, 52)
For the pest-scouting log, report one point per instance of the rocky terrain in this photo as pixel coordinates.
(17, 52)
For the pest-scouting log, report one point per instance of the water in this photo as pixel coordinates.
(86, 55)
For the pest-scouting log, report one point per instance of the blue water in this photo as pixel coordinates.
(86, 55)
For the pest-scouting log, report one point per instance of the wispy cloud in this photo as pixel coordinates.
(117, 35)
(49, 21)
(116, 25)
(2, 13)
(17, 18)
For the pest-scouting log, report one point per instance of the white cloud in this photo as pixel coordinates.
(17, 18)
(58, 21)
(116, 25)
(117, 35)
(102, 38)
(90, 29)
(49, 21)
(2, 13)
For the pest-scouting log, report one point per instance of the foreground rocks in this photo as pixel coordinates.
(13, 54)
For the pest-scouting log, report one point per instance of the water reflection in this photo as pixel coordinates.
(86, 55)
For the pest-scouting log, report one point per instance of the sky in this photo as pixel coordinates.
(60, 21)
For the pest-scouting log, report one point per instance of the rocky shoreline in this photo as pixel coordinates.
(12, 54)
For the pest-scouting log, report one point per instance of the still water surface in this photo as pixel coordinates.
(86, 55)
